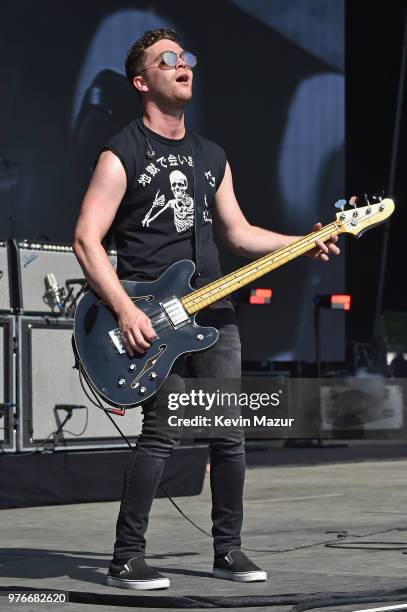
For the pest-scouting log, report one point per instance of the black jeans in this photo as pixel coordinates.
(154, 445)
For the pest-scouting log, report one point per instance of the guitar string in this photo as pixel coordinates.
(250, 268)
(220, 285)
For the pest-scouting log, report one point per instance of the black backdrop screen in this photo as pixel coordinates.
(269, 88)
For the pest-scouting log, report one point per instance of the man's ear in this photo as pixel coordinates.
(139, 83)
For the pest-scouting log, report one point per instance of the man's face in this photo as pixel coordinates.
(170, 84)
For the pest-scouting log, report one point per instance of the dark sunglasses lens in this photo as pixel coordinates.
(170, 58)
(190, 59)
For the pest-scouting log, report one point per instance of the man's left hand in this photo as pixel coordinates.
(323, 250)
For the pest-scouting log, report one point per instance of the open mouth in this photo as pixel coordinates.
(183, 78)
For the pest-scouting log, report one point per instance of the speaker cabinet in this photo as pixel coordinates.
(7, 384)
(34, 261)
(48, 380)
(5, 279)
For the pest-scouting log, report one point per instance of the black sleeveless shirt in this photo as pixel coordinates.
(154, 224)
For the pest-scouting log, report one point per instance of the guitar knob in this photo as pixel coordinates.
(199, 337)
(142, 390)
(132, 367)
(152, 376)
(121, 382)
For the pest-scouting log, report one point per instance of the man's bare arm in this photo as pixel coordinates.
(252, 241)
(102, 199)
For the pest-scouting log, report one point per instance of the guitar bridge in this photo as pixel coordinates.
(175, 312)
(116, 338)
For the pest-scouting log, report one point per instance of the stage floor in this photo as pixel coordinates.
(286, 507)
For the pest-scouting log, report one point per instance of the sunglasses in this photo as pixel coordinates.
(169, 60)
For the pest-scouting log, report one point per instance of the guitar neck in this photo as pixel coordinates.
(201, 298)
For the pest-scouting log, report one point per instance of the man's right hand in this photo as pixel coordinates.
(136, 329)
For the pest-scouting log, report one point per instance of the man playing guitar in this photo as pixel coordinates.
(142, 191)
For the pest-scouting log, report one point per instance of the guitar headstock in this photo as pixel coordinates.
(357, 220)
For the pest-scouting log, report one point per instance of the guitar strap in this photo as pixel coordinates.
(199, 197)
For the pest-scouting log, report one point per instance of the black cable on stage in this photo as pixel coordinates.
(182, 513)
(301, 602)
(160, 486)
(328, 543)
(377, 545)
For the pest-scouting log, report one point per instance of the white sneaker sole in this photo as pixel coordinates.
(138, 585)
(259, 576)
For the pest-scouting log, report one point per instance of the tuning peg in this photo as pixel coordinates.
(379, 199)
(368, 209)
(352, 202)
(340, 205)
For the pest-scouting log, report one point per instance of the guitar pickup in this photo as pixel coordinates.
(175, 313)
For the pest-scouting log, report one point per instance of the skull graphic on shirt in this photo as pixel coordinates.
(182, 204)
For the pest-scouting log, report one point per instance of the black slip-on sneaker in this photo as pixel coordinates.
(135, 574)
(236, 566)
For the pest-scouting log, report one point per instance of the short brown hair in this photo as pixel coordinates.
(135, 55)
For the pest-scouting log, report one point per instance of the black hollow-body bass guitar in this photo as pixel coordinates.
(171, 304)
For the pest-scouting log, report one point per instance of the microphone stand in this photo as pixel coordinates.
(70, 308)
(66, 419)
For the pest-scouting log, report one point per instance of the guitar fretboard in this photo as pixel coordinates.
(201, 298)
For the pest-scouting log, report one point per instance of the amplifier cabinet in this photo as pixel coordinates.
(48, 381)
(8, 422)
(34, 262)
(6, 286)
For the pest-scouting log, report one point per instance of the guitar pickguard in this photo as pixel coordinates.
(150, 363)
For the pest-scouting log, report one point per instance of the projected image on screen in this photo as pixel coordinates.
(297, 168)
